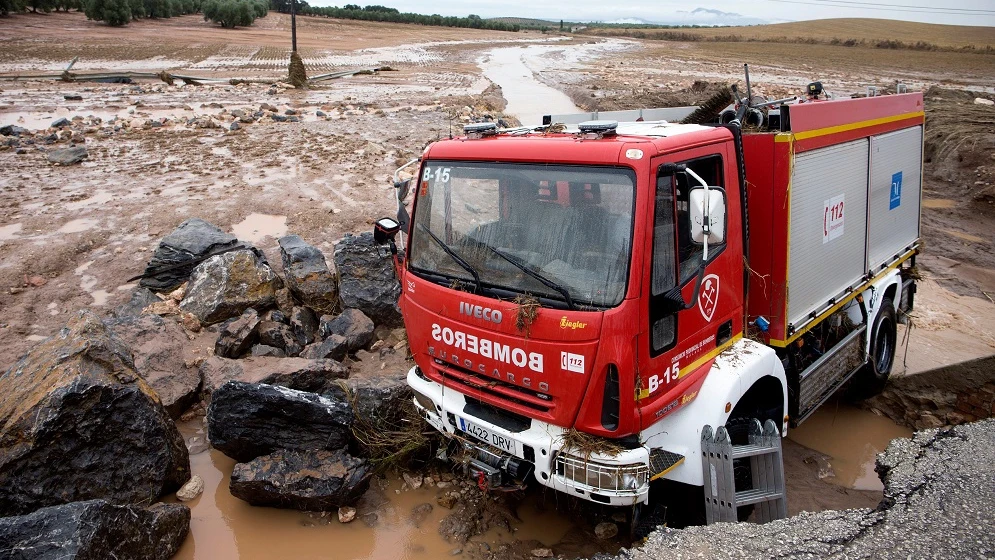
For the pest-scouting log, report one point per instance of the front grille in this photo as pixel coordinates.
(478, 385)
(578, 472)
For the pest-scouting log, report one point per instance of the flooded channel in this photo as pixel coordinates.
(852, 438)
(528, 99)
(391, 523)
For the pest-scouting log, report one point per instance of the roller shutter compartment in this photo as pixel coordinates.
(828, 226)
(896, 188)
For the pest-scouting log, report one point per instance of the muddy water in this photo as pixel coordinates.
(852, 437)
(257, 226)
(224, 527)
(528, 99)
(938, 203)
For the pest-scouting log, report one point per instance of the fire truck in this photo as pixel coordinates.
(581, 300)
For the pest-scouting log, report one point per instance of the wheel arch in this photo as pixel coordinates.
(747, 366)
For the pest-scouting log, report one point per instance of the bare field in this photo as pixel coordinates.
(859, 29)
(37, 42)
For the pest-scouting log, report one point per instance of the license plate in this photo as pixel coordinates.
(500, 441)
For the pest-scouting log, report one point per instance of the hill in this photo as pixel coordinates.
(867, 31)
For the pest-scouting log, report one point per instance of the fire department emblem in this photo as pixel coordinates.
(708, 299)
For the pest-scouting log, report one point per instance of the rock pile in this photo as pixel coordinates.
(280, 399)
(80, 430)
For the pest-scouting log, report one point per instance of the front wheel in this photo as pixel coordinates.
(871, 378)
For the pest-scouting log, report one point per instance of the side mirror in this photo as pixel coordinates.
(402, 188)
(708, 215)
(384, 231)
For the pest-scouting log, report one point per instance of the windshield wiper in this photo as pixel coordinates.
(535, 274)
(459, 260)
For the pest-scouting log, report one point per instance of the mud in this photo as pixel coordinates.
(86, 229)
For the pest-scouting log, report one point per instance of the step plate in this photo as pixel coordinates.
(662, 462)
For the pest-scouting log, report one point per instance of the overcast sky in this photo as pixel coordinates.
(958, 12)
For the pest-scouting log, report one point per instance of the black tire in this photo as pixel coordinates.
(872, 378)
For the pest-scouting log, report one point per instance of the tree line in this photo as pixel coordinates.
(240, 13)
(392, 15)
(227, 13)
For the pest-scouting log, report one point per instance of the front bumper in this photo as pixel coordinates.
(618, 480)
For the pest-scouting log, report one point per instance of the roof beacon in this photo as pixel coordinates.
(598, 128)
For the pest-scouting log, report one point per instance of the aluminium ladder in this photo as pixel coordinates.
(766, 466)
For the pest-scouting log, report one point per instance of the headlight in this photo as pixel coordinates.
(424, 401)
(616, 478)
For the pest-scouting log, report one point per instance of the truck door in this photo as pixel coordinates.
(681, 341)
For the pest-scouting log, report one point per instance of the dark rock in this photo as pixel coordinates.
(279, 336)
(246, 420)
(278, 118)
(155, 124)
(285, 301)
(73, 97)
(59, 123)
(366, 280)
(352, 324)
(293, 119)
(21, 151)
(334, 347)
(140, 299)
(268, 107)
(263, 350)
(158, 346)
(68, 156)
(308, 275)
(246, 119)
(420, 513)
(51, 139)
(276, 316)
(95, 529)
(378, 401)
(79, 423)
(319, 113)
(233, 126)
(236, 337)
(304, 323)
(315, 376)
(180, 251)
(312, 480)
(225, 285)
(290, 112)
(12, 130)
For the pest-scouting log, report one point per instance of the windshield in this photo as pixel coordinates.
(557, 232)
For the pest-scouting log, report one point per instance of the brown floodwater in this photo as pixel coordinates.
(852, 437)
(224, 527)
(938, 203)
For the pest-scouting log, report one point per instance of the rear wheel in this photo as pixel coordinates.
(871, 379)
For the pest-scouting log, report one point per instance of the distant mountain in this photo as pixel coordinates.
(698, 16)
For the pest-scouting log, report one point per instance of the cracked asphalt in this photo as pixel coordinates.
(939, 502)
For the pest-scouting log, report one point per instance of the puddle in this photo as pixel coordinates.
(257, 226)
(964, 236)
(938, 203)
(223, 526)
(78, 225)
(100, 297)
(528, 99)
(852, 437)
(9, 232)
(100, 197)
